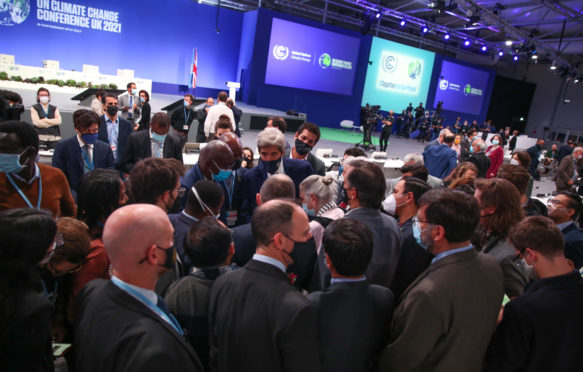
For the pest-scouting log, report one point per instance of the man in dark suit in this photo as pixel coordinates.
(441, 160)
(446, 316)
(564, 209)
(277, 187)
(534, 153)
(466, 145)
(257, 320)
(121, 324)
(271, 145)
(114, 130)
(351, 307)
(479, 158)
(156, 142)
(541, 329)
(365, 185)
(82, 153)
(565, 150)
(306, 137)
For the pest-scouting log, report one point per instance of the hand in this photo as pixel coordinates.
(135, 106)
(136, 126)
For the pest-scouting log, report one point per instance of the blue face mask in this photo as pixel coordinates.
(223, 175)
(186, 103)
(495, 142)
(89, 138)
(417, 235)
(158, 137)
(309, 212)
(134, 92)
(10, 163)
(471, 149)
(142, 99)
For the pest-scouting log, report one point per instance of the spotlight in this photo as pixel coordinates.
(425, 29)
(446, 36)
(553, 66)
(484, 48)
(403, 22)
(378, 15)
(500, 53)
(508, 43)
(467, 43)
(534, 56)
(515, 58)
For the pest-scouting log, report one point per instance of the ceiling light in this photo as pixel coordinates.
(500, 53)
(467, 43)
(484, 48)
(403, 22)
(553, 66)
(446, 36)
(515, 58)
(534, 56)
(508, 43)
(378, 15)
(424, 29)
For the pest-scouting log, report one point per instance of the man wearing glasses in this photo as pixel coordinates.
(564, 209)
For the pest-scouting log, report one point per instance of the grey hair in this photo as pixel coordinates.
(271, 137)
(481, 144)
(443, 132)
(578, 149)
(349, 160)
(416, 157)
(324, 188)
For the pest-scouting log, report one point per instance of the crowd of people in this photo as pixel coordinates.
(273, 263)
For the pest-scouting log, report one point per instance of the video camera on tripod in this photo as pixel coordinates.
(370, 116)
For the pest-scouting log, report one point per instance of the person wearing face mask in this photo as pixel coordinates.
(540, 330)
(500, 210)
(535, 152)
(567, 171)
(565, 209)
(479, 158)
(129, 103)
(23, 181)
(496, 155)
(112, 314)
(201, 117)
(156, 142)
(204, 199)
(271, 145)
(143, 122)
(306, 137)
(466, 144)
(215, 112)
(28, 237)
(259, 301)
(454, 303)
(46, 119)
(82, 153)
(181, 119)
(114, 130)
(403, 204)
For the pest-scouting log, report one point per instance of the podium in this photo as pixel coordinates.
(87, 95)
(233, 86)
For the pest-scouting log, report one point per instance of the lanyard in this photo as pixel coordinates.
(46, 112)
(40, 191)
(186, 117)
(169, 318)
(232, 188)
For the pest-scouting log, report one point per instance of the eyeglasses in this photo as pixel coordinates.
(417, 220)
(181, 191)
(555, 201)
(57, 272)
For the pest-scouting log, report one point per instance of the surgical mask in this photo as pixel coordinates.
(48, 257)
(390, 204)
(526, 265)
(142, 99)
(134, 92)
(457, 141)
(495, 142)
(111, 110)
(471, 149)
(417, 234)
(302, 148)
(186, 103)
(44, 99)
(158, 137)
(89, 138)
(205, 207)
(223, 174)
(10, 163)
(170, 257)
(271, 165)
(309, 212)
(514, 162)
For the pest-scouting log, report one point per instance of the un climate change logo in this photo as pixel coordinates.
(325, 61)
(414, 69)
(390, 63)
(443, 84)
(467, 89)
(13, 12)
(280, 52)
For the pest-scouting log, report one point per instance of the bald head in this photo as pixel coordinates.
(278, 186)
(234, 143)
(216, 154)
(129, 234)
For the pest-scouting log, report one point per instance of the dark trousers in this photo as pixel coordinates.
(385, 134)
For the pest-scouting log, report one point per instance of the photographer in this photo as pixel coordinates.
(10, 105)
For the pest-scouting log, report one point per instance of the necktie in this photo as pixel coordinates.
(87, 163)
(164, 307)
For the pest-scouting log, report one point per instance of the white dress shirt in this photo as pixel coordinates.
(213, 116)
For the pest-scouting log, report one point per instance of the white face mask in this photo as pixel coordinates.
(390, 204)
(514, 162)
(44, 99)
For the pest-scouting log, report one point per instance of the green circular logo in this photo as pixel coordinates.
(325, 61)
(414, 69)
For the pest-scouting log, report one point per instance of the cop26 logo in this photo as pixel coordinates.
(443, 84)
(390, 63)
(13, 12)
(280, 52)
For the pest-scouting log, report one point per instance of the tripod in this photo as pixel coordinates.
(366, 142)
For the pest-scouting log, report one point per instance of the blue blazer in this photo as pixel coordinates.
(125, 129)
(68, 158)
(252, 181)
(574, 244)
(439, 160)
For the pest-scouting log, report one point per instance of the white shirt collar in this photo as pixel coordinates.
(270, 261)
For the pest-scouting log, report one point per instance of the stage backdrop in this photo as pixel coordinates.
(154, 38)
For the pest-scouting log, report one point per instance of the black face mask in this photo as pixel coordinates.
(237, 164)
(170, 257)
(302, 148)
(540, 147)
(111, 110)
(271, 166)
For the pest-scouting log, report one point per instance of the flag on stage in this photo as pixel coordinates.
(194, 68)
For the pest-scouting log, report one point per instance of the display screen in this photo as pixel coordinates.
(461, 88)
(311, 58)
(397, 74)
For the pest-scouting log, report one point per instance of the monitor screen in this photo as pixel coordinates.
(306, 57)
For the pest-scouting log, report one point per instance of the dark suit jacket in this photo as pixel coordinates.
(304, 255)
(116, 332)
(574, 244)
(439, 160)
(259, 322)
(541, 330)
(139, 147)
(565, 172)
(317, 165)
(125, 129)
(252, 181)
(68, 158)
(181, 225)
(482, 162)
(387, 244)
(352, 318)
(564, 151)
(453, 305)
